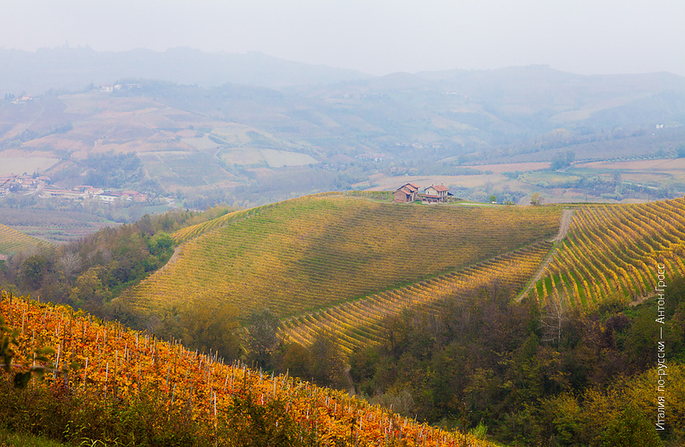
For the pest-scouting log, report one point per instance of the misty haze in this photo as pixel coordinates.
(361, 223)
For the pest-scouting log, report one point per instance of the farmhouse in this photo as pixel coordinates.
(406, 193)
(435, 194)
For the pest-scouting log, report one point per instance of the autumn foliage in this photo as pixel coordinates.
(612, 252)
(106, 362)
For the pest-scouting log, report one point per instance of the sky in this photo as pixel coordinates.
(374, 36)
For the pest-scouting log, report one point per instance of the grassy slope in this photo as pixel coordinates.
(13, 241)
(317, 251)
(613, 251)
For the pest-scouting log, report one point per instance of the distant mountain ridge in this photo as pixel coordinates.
(77, 68)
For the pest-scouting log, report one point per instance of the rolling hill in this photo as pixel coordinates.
(239, 140)
(345, 260)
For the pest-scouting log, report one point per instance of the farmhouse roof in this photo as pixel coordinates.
(409, 187)
(441, 188)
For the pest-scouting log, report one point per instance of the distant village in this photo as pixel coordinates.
(42, 186)
(409, 192)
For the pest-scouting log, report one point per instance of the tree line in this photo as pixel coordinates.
(531, 375)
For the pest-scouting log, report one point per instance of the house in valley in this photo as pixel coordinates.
(406, 193)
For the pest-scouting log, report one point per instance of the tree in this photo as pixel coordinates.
(631, 429)
(327, 366)
(536, 199)
(492, 198)
(554, 319)
(680, 151)
(33, 269)
(262, 337)
(204, 325)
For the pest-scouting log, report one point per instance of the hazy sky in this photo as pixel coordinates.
(375, 36)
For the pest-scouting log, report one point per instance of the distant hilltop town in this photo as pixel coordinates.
(115, 87)
(41, 185)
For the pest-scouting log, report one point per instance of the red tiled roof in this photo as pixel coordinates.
(408, 188)
(441, 188)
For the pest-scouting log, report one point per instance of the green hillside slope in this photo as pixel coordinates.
(317, 251)
(13, 241)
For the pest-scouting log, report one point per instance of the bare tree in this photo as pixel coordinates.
(70, 262)
(554, 317)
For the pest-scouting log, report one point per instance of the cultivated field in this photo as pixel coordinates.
(55, 226)
(306, 254)
(361, 323)
(13, 241)
(613, 252)
(114, 362)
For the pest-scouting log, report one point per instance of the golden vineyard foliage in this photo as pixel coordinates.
(107, 359)
(360, 323)
(612, 252)
(13, 241)
(312, 252)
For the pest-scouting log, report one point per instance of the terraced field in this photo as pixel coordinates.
(361, 322)
(314, 252)
(613, 252)
(13, 241)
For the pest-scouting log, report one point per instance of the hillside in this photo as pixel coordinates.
(13, 241)
(249, 144)
(115, 368)
(362, 323)
(318, 251)
(615, 252)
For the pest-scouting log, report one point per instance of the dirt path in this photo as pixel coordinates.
(565, 224)
(172, 259)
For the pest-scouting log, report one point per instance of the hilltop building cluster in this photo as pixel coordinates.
(42, 186)
(409, 192)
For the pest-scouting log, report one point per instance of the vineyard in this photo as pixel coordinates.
(110, 361)
(13, 241)
(612, 252)
(360, 323)
(314, 252)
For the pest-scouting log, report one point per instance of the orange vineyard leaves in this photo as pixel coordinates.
(107, 359)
